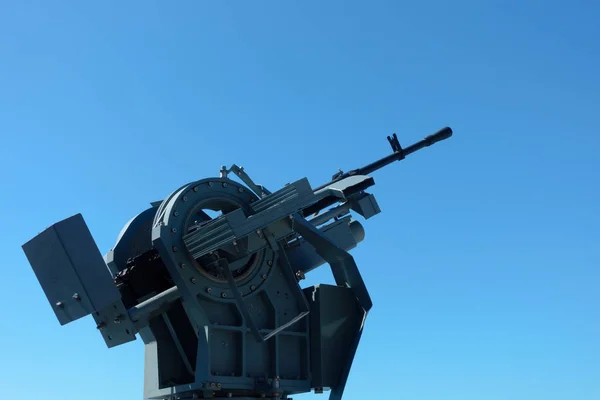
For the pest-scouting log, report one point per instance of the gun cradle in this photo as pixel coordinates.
(216, 299)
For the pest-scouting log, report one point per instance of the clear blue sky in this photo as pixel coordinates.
(483, 265)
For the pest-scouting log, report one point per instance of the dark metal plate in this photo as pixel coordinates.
(71, 270)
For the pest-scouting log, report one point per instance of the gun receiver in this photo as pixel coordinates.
(398, 155)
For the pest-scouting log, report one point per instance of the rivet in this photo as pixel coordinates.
(59, 304)
(224, 184)
(184, 198)
(193, 280)
(264, 276)
(223, 295)
(208, 290)
(182, 265)
(252, 287)
(270, 262)
(209, 183)
(174, 248)
(175, 213)
(241, 190)
(173, 230)
(196, 188)
(76, 296)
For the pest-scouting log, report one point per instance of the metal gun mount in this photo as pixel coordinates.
(216, 300)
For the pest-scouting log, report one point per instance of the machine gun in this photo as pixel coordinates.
(216, 299)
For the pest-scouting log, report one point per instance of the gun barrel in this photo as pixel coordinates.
(440, 135)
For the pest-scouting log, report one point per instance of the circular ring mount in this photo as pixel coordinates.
(190, 208)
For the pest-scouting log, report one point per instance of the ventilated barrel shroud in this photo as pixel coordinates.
(209, 279)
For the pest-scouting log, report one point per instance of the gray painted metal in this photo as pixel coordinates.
(70, 269)
(131, 240)
(155, 305)
(217, 300)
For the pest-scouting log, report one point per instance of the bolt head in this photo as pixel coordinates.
(193, 280)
